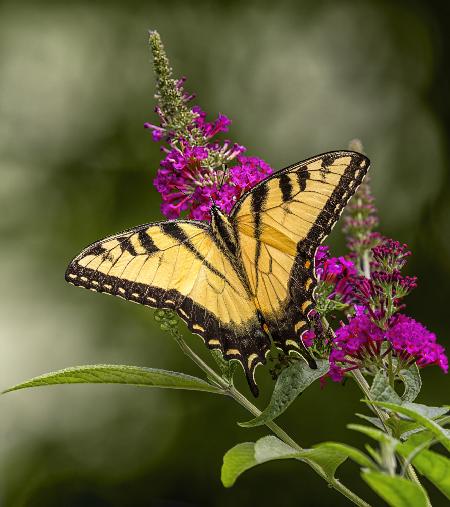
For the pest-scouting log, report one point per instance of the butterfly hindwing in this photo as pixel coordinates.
(179, 265)
(279, 225)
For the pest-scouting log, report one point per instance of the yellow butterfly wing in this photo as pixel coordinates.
(179, 265)
(280, 223)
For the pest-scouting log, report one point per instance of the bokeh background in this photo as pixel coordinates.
(297, 78)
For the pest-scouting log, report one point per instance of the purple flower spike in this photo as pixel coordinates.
(360, 219)
(391, 255)
(197, 168)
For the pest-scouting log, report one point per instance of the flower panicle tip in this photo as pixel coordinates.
(197, 167)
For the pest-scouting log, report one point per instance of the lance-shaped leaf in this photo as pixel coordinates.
(244, 456)
(378, 435)
(396, 491)
(415, 412)
(409, 428)
(291, 382)
(373, 420)
(405, 427)
(434, 466)
(119, 374)
(426, 410)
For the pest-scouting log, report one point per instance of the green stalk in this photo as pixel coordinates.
(364, 386)
(358, 377)
(366, 264)
(390, 370)
(231, 391)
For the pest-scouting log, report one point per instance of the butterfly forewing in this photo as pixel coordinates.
(179, 265)
(280, 224)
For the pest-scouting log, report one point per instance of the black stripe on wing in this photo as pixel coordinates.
(247, 344)
(258, 199)
(285, 187)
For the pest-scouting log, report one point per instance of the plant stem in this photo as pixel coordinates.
(358, 377)
(390, 370)
(212, 374)
(361, 381)
(366, 263)
(282, 435)
(364, 386)
(231, 391)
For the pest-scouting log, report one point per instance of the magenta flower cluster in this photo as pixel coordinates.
(198, 169)
(375, 328)
(340, 272)
(410, 339)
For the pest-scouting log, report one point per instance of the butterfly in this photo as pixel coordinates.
(244, 279)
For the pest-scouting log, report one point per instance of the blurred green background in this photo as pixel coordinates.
(297, 79)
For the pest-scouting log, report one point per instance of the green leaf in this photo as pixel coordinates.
(396, 491)
(244, 456)
(425, 410)
(443, 421)
(405, 427)
(381, 390)
(373, 420)
(119, 374)
(376, 456)
(402, 428)
(237, 460)
(417, 440)
(270, 448)
(415, 429)
(434, 466)
(351, 452)
(411, 410)
(328, 458)
(378, 435)
(412, 382)
(292, 381)
(248, 454)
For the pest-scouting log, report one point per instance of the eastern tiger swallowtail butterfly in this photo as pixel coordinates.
(244, 277)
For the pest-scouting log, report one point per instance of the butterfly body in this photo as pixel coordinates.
(245, 278)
